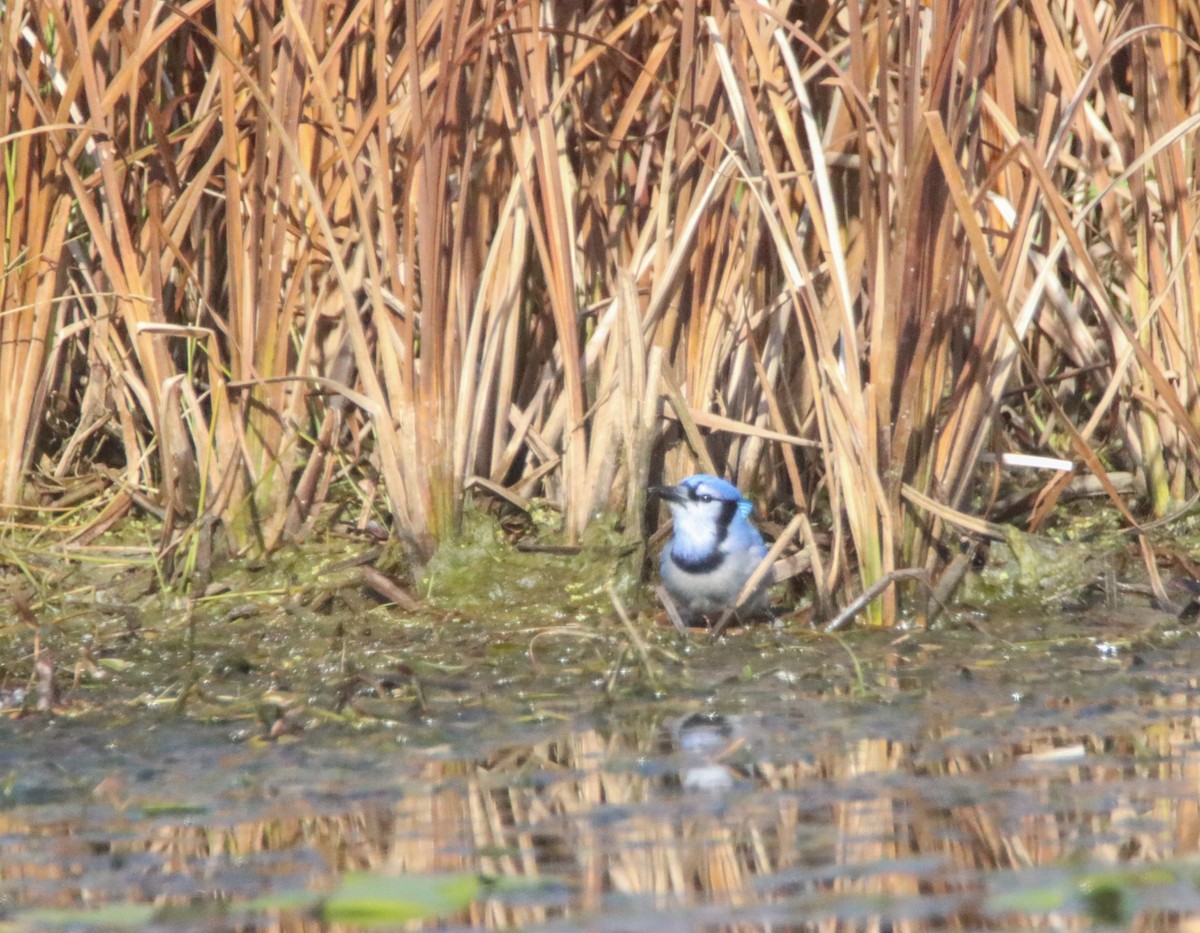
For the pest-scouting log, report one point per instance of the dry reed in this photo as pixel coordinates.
(254, 251)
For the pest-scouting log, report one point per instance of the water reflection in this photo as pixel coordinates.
(705, 741)
(944, 802)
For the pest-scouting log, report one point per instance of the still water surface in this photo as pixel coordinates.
(1044, 774)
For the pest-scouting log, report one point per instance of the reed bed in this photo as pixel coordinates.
(259, 258)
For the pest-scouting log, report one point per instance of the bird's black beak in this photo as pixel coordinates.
(670, 493)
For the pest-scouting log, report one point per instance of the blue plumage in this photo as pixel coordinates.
(714, 548)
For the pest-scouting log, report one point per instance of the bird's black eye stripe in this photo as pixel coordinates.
(703, 496)
(728, 510)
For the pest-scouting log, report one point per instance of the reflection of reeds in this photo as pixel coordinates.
(870, 822)
(251, 251)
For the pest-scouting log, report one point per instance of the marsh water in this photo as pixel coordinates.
(309, 767)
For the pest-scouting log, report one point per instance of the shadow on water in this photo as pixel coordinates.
(998, 780)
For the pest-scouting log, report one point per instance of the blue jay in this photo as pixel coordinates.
(714, 548)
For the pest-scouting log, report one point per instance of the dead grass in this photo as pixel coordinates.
(255, 252)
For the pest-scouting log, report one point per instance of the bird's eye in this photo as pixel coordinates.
(705, 497)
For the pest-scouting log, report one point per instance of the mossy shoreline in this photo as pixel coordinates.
(314, 632)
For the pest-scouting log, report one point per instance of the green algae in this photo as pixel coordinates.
(306, 638)
(481, 575)
(1026, 571)
(367, 900)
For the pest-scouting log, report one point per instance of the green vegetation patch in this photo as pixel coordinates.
(539, 581)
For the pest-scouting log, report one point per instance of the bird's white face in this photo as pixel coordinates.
(699, 514)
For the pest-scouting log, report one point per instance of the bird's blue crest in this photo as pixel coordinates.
(715, 487)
